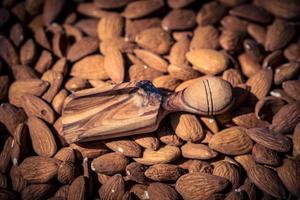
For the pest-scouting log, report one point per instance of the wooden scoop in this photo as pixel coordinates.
(134, 108)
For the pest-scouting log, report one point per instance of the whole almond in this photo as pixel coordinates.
(58, 100)
(90, 149)
(77, 189)
(17, 180)
(42, 139)
(35, 106)
(162, 191)
(163, 172)
(231, 141)
(143, 72)
(270, 139)
(178, 51)
(11, 116)
(51, 10)
(148, 141)
(114, 188)
(136, 172)
(126, 147)
(179, 3)
(187, 127)
(292, 88)
(38, 169)
(28, 52)
(210, 13)
(205, 37)
(24, 72)
(179, 19)
(65, 154)
(249, 120)
(154, 39)
(279, 35)
(67, 172)
(289, 173)
(31, 86)
(37, 191)
(152, 60)
(207, 61)
(44, 62)
(286, 118)
(166, 82)
(142, 8)
(114, 65)
(82, 48)
(229, 171)
(197, 151)
(164, 154)
(286, 72)
(261, 83)
(267, 180)
(90, 67)
(110, 163)
(121, 43)
(264, 155)
(8, 54)
(296, 139)
(182, 72)
(110, 26)
(199, 185)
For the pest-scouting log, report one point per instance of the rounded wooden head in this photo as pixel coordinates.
(209, 95)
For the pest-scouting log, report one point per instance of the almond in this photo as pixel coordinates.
(292, 88)
(5, 161)
(163, 172)
(90, 67)
(37, 191)
(229, 171)
(38, 169)
(178, 51)
(148, 141)
(289, 173)
(114, 65)
(162, 191)
(142, 8)
(264, 155)
(270, 139)
(296, 139)
(110, 26)
(207, 61)
(55, 79)
(286, 118)
(31, 86)
(90, 149)
(114, 188)
(199, 185)
(187, 127)
(179, 19)
(42, 139)
(154, 39)
(197, 151)
(135, 171)
(110, 163)
(152, 60)
(267, 180)
(35, 106)
(124, 146)
(164, 154)
(52, 8)
(82, 48)
(205, 37)
(77, 189)
(279, 35)
(231, 141)
(11, 116)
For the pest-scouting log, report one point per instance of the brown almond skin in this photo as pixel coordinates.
(163, 172)
(114, 188)
(199, 185)
(231, 141)
(162, 191)
(77, 189)
(135, 171)
(109, 163)
(265, 155)
(286, 118)
(292, 88)
(270, 139)
(296, 141)
(38, 169)
(289, 173)
(180, 19)
(197, 151)
(42, 139)
(267, 180)
(229, 171)
(128, 148)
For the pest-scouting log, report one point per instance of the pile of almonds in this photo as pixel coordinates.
(51, 48)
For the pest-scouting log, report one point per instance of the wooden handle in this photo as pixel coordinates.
(206, 96)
